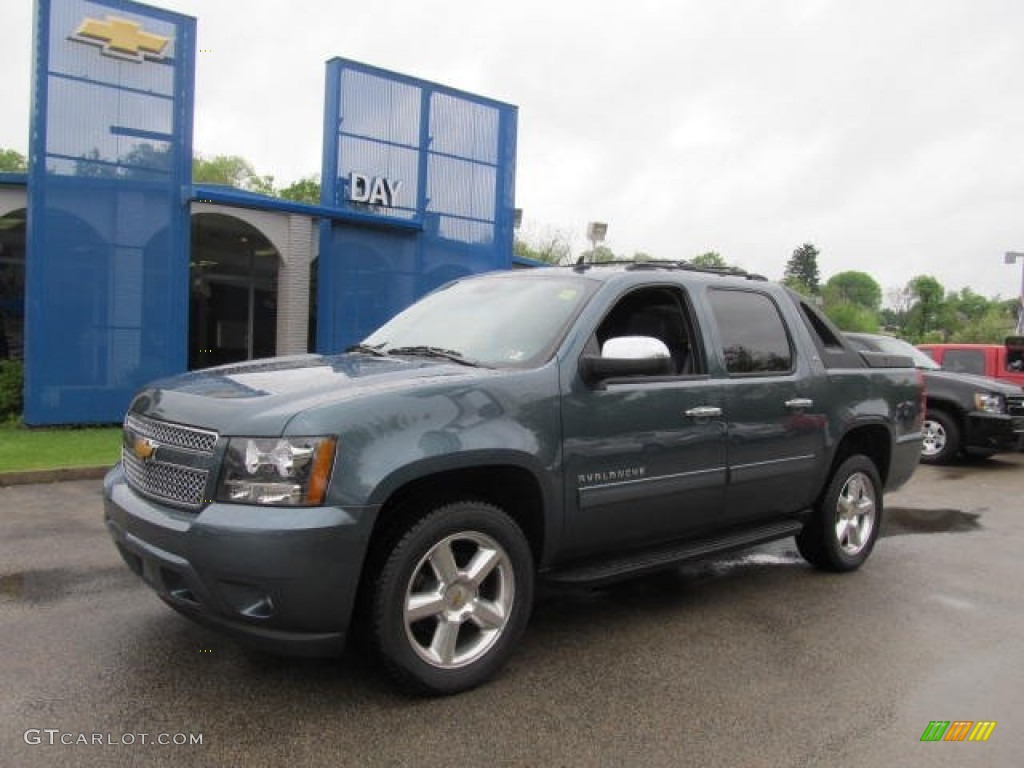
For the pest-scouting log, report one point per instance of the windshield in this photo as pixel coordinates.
(892, 346)
(503, 320)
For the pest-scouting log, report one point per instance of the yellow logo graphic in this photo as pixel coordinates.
(122, 39)
(143, 448)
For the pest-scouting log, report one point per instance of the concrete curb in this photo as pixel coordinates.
(35, 476)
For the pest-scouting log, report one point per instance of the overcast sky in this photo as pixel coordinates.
(888, 133)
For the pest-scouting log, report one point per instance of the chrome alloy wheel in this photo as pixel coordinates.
(934, 438)
(856, 512)
(459, 600)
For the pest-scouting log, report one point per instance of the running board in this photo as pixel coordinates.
(607, 570)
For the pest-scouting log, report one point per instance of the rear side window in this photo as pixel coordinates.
(754, 337)
(1014, 359)
(964, 361)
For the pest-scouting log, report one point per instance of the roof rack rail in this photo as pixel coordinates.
(582, 266)
(686, 266)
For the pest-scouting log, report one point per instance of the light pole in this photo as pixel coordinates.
(596, 230)
(1010, 258)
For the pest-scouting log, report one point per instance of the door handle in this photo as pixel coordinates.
(799, 403)
(704, 412)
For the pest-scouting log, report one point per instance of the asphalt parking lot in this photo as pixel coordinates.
(754, 660)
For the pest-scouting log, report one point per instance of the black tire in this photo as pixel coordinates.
(468, 623)
(844, 525)
(941, 438)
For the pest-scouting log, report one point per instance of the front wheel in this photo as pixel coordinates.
(941, 443)
(452, 598)
(843, 527)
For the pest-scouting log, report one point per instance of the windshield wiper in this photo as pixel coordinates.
(424, 351)
(367, 350)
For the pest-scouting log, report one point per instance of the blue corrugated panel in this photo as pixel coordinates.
(107, 260)
(450, 158)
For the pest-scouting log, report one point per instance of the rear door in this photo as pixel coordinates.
(773, 408)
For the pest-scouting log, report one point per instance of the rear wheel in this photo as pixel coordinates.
(843, 528)
(452, 599)
(941, 443)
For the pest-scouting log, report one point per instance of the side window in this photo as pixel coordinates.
(964, 361)
(1014, 359)
(754, 338)
(823, 335)
(660, 313)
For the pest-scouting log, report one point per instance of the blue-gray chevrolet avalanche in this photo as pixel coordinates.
(572, 424)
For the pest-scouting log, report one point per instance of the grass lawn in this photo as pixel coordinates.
(22, 449)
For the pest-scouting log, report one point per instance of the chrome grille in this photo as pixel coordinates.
(1015, 407)
(166, 482)
(168, 462)
(177, 435)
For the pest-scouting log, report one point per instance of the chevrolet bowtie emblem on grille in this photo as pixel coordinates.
(144, 448)
(122, 39)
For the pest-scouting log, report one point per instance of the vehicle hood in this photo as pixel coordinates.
(980, 383)
(261, 397)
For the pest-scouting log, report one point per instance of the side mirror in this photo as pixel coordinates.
(627, 356)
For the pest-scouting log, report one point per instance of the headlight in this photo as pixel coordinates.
(991, 403)
(279, 471)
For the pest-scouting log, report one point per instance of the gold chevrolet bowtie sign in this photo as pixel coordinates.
(144, 448)
(122, 39)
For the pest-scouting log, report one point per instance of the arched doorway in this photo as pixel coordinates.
(233, 274)
(12, 285)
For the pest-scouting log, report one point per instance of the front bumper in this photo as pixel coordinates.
(991, 431)
(281, 579)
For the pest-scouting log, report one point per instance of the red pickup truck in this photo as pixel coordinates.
(998, 361)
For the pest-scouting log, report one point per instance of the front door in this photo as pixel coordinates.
(644, 456)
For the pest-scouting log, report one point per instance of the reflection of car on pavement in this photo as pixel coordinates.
(965, 413)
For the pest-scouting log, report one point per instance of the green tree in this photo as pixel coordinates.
(992, 327)
(857, 288)
(894, 314)
(552, 246)
(849, 316)
(305, 190)
(853, 300)
(712, 259)
(263, 185)
(927, 316)
(232, 170)
(800, 287)
(144, 158)
(12, 161)
(802, 270)
(91, 165)
(12, 387)
(970, 305)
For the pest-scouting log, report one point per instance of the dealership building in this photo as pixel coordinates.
(115, 269)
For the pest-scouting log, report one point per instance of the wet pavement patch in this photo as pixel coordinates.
(50, 585)
(899, 521)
